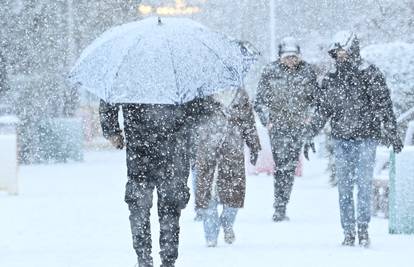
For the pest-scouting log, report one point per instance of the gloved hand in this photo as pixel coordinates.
(178, 194)
(308, 145)
(397, 145)
(117, 140)
(254, 155)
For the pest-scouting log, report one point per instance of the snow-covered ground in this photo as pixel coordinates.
(74, 215)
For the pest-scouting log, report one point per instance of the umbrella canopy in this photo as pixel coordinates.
(171, 61)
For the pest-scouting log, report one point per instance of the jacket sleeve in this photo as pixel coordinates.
(108, 116)
(322, 111)
(381, 99)
(244, 119)
(262, 102)
(313, 90)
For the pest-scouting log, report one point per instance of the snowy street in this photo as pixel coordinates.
(74, 215)
(94, 91)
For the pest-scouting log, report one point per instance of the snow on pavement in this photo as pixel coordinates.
(73, 215)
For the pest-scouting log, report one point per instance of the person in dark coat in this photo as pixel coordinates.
(156, 147)
(356, 101)
(221, 177)
(285, 97)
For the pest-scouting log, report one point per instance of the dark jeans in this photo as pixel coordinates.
(286, 150)
(139, 196)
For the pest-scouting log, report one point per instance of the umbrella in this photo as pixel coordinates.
(168, 61)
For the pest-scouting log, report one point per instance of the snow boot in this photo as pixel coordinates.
(363, 237)
(229, 236)
(280, 216)
(349, 240)
(143, 265)
(211, 243)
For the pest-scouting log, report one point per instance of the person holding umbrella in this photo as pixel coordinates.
(161, 77)
(156, 141)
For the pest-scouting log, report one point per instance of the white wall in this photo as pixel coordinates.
(8, 163)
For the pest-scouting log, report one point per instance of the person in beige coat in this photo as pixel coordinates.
(221, 177)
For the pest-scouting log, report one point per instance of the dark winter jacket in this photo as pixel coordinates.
(284, 97)
(221, 140)
(357, 101)
(156, 138)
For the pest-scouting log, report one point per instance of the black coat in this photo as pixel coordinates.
(357, 101)
(156, 139)
(156, 135)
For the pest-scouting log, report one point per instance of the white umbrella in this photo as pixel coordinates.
(171, 61)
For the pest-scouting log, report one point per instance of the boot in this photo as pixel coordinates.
(280, 215)
(363, 236)
(146, 264)
(229, 236)
(349, 240)
(211, 243)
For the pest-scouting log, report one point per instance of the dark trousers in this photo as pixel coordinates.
(286, 150)
(139, 196)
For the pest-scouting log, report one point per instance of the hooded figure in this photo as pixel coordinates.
(356, 101)
(285, 95)
(157, 158)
